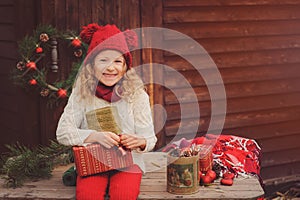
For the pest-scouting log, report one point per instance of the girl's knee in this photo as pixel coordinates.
(91, 188)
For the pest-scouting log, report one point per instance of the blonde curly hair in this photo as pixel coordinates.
(86, 81)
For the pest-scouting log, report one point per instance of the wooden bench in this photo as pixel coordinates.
(153, 186)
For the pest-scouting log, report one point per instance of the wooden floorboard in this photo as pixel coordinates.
(49, 189)
(153, 186)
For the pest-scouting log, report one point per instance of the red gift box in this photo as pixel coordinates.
(94, 159)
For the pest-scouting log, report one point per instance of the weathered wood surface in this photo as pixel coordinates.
(153, 186)
(52, 188)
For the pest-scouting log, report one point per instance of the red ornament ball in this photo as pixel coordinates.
(31, 65)
(226, 181)
(62, 93)
(206, 180)
(228, 175)
(32, 82)
(39, 50)
(76, 42)
(212, 174)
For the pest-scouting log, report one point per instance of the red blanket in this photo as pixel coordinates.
(236, 154)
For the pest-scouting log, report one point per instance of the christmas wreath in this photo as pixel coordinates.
(36, 51)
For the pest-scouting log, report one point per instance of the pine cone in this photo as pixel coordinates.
(217, 168)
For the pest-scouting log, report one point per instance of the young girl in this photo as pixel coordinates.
(107, 78)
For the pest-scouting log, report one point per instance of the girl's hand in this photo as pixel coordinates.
(106, 139)
(132, 141)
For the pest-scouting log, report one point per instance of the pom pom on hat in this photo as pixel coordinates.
(109, 37)
(131, 38)
(88, 31)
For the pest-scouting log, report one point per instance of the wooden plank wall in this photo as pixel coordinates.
(255, 45)
(19, 118)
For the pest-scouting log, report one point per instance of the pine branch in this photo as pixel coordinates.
(49, 29)
(23, 163)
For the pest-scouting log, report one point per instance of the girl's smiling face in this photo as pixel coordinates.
(109, 66)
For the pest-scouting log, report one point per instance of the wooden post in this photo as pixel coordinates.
(54, 56)
(151, 17)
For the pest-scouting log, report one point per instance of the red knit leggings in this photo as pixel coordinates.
(123, 185)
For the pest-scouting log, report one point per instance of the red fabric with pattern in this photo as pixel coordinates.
(236, 154)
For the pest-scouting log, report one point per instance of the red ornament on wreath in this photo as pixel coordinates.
(62, 93)
(32, 82)
(76, 42)
(31, 65)
(39, 50)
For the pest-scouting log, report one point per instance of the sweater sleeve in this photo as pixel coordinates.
(69, 131)
(143, 120)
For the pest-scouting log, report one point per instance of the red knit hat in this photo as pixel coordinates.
(109, 37)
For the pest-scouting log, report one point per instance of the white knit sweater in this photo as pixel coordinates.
(135, 117)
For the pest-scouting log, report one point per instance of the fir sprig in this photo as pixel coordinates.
(27, 47)
(44, 28)
(22, 163)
